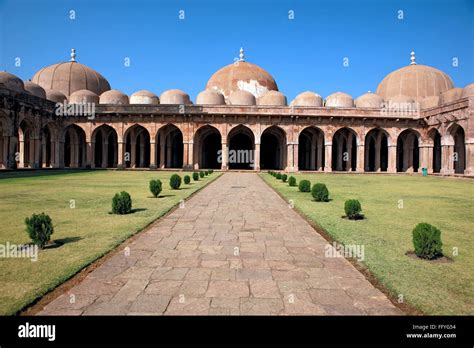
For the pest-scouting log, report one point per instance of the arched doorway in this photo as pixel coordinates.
(241, 142)
(137, 147)
(459, 156)
(169, 147)
(74, 148)
(376, 151)
(207, 144)
(105, 143)
(344, 150)
(408, 152)
(436, 161)
(311, 149)
(273, 149)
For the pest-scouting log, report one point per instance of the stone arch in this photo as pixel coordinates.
(459, 152)
(408, 151)
(48, 149)
(344, 150)
(207, 147)
(137, 147)
(376, 145)
(105, 147)
(435, 137)
(273, 154)
(26, 144)
(169, 147)
(74, 147)
(311, 152)
(241, 148)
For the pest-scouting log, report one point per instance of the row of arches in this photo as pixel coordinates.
(168, 148)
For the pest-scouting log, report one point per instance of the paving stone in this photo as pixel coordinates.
(230, 289)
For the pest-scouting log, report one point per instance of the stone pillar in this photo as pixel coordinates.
(105, 154)
(188, 155)
(426, 157)
(339, 156)
(257, 157)
(392, 159)
(360, 158)
(44, 153)
(152, 155)
(447, 152)
(133, 154)
(328, 157)
(31, 153)
(142, 154)
(348, 164)
(90, 150)
(225, 155)
(5, 155)
(21, 150)
(378, 147)
(319, 162)
(295, 157)
(120, 155)
(469, 158)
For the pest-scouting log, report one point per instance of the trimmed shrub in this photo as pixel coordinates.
(304, 186)
(195, 176)
(284, 177)
(187, 179)
(427, 241)
(320, 193)
(352, 208)
(278, 176)
(292, 181)
(201, 174)
(211, 171)
(155, 187)
(40, 228)
(122, 203)
(206, 173)
(175, 181)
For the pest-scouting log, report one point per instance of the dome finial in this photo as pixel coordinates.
(412, 58)
(241, 55)
(73, 55)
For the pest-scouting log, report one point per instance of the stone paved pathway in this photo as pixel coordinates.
(236, 248)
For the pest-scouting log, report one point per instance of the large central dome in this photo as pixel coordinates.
(415, 81)
(242, 76)
(69, 77)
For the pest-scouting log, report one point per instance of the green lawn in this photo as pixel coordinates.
(89, 228)
(433, 288)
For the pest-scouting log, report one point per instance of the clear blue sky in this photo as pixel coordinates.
(305, 53)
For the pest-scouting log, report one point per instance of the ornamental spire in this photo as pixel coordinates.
(412, 58)
(73, 55)
(241, 55)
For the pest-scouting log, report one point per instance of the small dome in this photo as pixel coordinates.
(307, 99)
(210, 97)
(35, 89)
(450, 95)
(144, 97)
(175, 96)
(429, 102)
(339, 100)
(468, 91)
(113, 97)
(274, 98)
(401, 99)
(369, 100)
(55, 96)
(83, 96)
(11, 81)
(242, 98)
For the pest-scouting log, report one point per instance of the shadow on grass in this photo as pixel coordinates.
(136, 210)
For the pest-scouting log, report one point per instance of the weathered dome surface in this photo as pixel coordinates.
(340, 100)
(244, 76)
(307, 99)
(272, 98)
(241, 98)
(175, 96)
(35, 89)
(11, 81)
(69, 77)
(369, 100)
(144, 97)
(83, 96)
(468, 91)
(113, 97)
(402, 99)
(429, 102)
(55, 96)
(415, 81)
(210, 97)
(450, 95)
